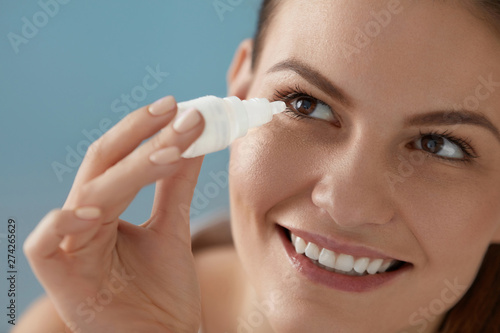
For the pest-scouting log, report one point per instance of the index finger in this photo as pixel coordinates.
(124, 137)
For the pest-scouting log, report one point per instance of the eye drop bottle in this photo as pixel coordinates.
(227, 119)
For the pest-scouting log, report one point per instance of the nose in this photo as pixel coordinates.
(355, 189)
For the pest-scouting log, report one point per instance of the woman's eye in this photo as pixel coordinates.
(440, 146)
(311, 107)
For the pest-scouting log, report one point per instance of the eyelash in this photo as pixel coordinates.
(291, 94)
(464, 143)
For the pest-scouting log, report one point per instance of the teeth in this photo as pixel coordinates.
(340, 262)
(327, 258)
(300, 245)
(374, 266)
(344, 262)
(312, 251)
(385, 266)
(361, 264)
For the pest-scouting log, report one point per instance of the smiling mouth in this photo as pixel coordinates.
(342, 263)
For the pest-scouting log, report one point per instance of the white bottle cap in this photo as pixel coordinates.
(278, 107)
(227, 119)
(261, 111)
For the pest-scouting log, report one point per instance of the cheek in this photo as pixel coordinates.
(253, 170)
(453, 221)
(462, 212)
(268, 165)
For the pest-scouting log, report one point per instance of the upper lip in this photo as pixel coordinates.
(338, 246)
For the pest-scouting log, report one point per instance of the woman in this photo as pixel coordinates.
(370, 206)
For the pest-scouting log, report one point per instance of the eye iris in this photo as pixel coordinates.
(432, 143)
(305, 105)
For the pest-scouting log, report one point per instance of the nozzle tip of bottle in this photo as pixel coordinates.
(278, 107)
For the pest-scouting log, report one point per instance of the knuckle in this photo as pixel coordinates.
(28, 246)
(95, 149)
(84, 192)
(184, 179)
(157, 142)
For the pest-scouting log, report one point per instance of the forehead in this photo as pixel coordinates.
(426, 51)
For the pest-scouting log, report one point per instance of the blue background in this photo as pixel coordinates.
(64, 80)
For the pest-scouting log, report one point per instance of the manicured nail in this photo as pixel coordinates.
(165, 156)
(187, 120)
(88, 213)
(162, 106)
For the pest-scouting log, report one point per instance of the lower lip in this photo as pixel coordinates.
(334, 280)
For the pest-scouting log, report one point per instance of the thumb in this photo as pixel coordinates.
(173, 196)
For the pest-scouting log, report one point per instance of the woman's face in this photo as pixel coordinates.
(385, 171)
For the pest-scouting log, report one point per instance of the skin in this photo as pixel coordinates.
(102, 273)
(321, 176)
(332, 180)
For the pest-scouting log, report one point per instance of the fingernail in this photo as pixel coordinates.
(165, 156)
(162, 106)
(88, 213)
(187, 120)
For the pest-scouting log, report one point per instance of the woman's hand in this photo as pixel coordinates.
(104, 274)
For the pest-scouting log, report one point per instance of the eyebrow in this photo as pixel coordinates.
(453, 117)
(314, 77)
(444, 117)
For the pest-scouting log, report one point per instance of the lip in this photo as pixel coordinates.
(334, 280)
(338, 247)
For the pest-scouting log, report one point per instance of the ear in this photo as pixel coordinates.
(239, 75)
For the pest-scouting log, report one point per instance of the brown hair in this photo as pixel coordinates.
(478, 311)
(267, 12)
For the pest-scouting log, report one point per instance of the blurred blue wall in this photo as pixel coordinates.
(65, 78)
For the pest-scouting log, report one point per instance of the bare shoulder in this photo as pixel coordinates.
(219, 273)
